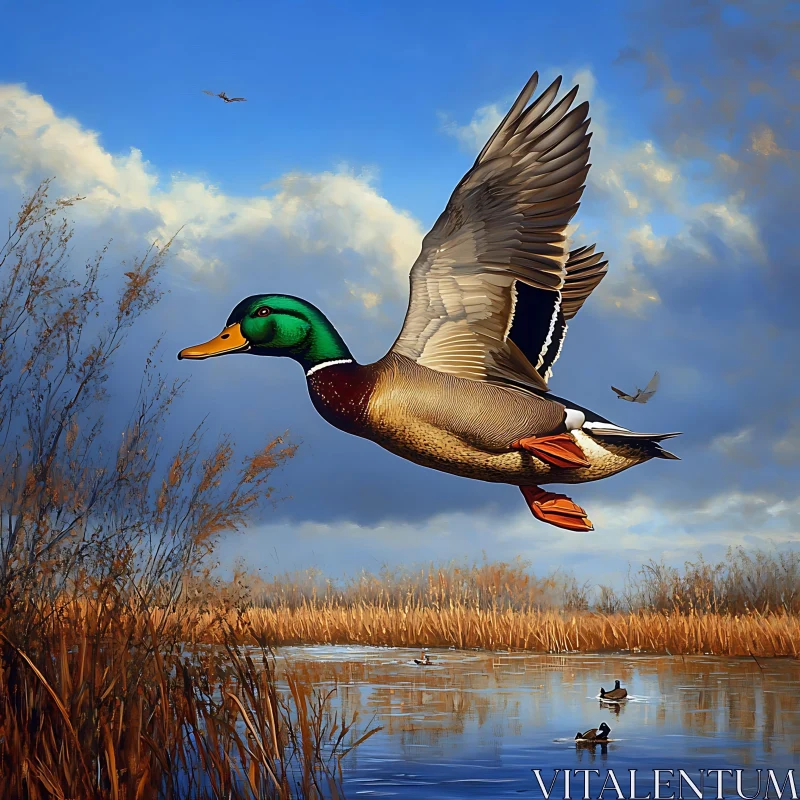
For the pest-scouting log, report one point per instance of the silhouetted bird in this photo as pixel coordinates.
(642, 395)
(225, 97)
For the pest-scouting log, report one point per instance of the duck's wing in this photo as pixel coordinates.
(213, 94)
(505, 223)
(237, 99)
(541, 317)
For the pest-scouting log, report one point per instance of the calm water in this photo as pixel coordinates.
(476, 724)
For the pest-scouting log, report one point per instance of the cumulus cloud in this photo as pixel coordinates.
(339, 211)
(473, 135)
(639, 186)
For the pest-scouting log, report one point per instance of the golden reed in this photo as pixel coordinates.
(462, 626)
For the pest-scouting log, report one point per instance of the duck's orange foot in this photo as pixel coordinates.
(559, 450)
(556, 509)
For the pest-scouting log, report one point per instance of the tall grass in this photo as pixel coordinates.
(478, 585)
(98, 707)
(105, 542)
(463, 626)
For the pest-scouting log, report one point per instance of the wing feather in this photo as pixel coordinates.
(503, 230)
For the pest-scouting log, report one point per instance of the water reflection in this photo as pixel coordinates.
(475, 724)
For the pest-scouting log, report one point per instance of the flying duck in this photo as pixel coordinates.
(464, 388)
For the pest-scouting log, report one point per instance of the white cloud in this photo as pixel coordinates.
(734, 445)
(340, 210)
(633, 188)
(474, 134)
(650, 245)
(733, 225)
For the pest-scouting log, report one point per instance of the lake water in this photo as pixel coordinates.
(476, 724)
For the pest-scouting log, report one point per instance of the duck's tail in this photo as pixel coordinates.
(602, 692)
(649, 442)
(578, 735)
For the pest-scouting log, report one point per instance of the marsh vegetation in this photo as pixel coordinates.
(745, 605)
(106, 549)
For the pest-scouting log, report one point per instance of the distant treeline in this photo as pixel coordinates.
(743, 582)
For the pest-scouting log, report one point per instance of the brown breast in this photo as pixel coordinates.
(341, 393)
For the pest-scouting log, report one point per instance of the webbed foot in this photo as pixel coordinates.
(556, 509)
(560, 450)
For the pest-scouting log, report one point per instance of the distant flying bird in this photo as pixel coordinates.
(225, 97)
(642, 395)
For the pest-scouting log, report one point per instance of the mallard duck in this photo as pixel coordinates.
(425, 661)
(594, 734)
(617, 693)
(464, 387)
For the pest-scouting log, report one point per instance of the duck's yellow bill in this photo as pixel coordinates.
(230, 340)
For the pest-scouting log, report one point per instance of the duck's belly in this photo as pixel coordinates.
(431, 447)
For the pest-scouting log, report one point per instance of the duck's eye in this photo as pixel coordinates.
(263, 312)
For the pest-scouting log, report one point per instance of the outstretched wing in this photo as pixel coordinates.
(237, 100)
(505, 223)
(621, 394)
(213, 94)
(653, 385)
(649, 390)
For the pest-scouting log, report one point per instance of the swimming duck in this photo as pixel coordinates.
(617, 693)
(594, 734)
(464, 387)
(425, 661)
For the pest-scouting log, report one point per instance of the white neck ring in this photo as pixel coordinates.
(324, 364)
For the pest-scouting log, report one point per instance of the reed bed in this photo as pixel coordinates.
(774, 634)
(99, 710)
(747, 604)
(466, 627)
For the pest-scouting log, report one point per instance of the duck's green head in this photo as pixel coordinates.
(275, 325)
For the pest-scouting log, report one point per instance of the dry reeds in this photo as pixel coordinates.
(99, 710)
(747, 604)
(102, 539)
(536, 631)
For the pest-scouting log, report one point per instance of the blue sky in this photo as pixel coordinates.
(359, 122)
